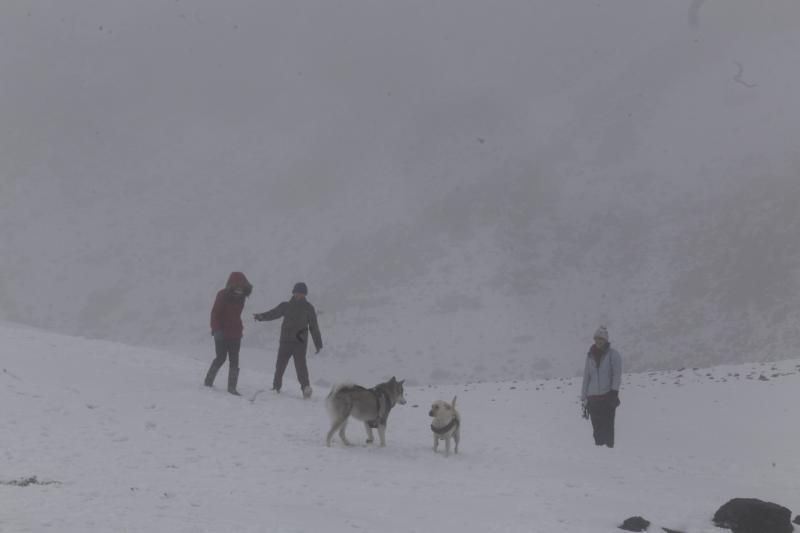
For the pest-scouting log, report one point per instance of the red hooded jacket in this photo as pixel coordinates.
(226, 315)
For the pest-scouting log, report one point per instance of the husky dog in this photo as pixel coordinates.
(446, 424)
(371, 406)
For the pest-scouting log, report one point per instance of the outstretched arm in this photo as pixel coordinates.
(272, 314)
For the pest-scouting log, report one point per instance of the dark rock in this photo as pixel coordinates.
(26, 481)
(762, 377)
(635, 523)
(668, 530)
(749, 515)
(797, 519)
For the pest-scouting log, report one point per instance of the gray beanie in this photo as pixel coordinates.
(601, 333)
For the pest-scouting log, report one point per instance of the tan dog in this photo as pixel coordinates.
(446, 424)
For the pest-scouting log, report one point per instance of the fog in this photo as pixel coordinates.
(448, 177)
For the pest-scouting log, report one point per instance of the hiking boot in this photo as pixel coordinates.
(233, 378)
(307, 392)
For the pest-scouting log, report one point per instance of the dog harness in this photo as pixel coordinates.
(381, 420)
(444, 429)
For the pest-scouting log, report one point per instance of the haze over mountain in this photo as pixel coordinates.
(447, 177)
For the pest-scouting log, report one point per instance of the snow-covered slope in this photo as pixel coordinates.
(136, 444)
(466, 176)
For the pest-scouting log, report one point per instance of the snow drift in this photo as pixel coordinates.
(128, 439)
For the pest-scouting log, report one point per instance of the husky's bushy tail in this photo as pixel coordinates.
(330, 400)
(339, 407)
(337, 387)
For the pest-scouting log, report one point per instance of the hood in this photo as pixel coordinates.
(238, 279)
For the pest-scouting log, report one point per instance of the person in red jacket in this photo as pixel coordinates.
(227, 328)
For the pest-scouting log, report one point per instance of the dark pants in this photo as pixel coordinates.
(602, 410)
(286, 351)
(227, 349)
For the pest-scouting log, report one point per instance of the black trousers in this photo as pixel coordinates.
(602, 410)
(227, 349)
(286, 351)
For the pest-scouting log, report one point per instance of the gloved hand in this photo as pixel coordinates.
(257, 317)
(584, 410)
(218, 335)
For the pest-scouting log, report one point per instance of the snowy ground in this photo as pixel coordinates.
(137, 444)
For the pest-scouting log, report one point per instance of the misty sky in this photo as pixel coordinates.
(524, 169)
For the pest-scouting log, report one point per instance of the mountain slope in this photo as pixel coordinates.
(497, 178)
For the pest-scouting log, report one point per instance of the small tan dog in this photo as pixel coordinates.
(446, 424)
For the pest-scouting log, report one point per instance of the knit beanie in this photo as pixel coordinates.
(601, 333)
(300, 288)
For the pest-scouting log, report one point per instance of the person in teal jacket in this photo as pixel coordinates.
(602, 376)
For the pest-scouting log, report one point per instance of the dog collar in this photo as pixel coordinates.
(442, 430)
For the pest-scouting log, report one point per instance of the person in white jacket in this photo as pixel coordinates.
(600, 392)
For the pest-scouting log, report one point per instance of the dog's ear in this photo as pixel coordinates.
(393, 380)
(402, 381)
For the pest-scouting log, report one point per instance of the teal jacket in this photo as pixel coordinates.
(599, 379)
